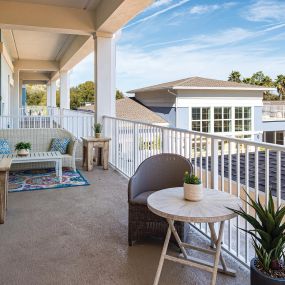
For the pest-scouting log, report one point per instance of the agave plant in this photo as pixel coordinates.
(267, 233)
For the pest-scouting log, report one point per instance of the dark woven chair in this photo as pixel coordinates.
(155, 173)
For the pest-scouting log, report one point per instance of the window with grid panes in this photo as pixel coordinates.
(222, 119)
(201, 119)
(243, 119)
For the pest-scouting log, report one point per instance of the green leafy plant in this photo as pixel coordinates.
(23, 145)
(191, 179)
(97, 128)
(267, 233)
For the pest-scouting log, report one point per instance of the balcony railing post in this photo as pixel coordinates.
(214, 164)
(116, 143)
(165, 141)
(136, 145)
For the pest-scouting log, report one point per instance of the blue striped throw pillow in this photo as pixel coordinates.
(60, 145)
(4, 147)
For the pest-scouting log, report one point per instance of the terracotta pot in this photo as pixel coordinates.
(23, 152)
(97, 135)
(193, 192)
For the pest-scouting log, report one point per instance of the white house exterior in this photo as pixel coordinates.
(208, 105)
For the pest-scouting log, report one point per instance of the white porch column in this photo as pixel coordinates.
(15, 99)
(64, 90)
(105, 75)
(48, 95)
(53, 93)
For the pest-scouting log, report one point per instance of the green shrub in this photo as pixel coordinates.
(23, 145)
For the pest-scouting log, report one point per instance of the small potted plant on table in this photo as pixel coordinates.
(193, 188)
(98, 129)
(268, 238)
(23, 148)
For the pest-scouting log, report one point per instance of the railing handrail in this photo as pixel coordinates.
(207, 135)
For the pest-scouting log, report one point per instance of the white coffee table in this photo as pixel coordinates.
(171, 205)
(37, 157)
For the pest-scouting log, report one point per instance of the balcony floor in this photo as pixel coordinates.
(79, 236)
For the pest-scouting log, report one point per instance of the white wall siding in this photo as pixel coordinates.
(156, 98)
(200, 98)
(6, 75)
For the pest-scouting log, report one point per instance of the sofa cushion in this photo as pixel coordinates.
(59, 144)
(4, 147)
(142, 198)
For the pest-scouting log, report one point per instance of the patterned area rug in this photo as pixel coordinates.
(42, 179)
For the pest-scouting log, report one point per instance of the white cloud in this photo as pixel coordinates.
(160, 12)
(159, 3)
(230, 36)
(265, 11)
(203, 9)
(145, 68)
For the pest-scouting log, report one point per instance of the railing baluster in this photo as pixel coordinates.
(223, 165)
(207, 164)
(246, 168)
(201, 159)
(266, 176)
(278, 176)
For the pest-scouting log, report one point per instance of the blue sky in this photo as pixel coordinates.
(175, 39)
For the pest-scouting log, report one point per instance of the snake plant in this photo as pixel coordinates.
(267, 233)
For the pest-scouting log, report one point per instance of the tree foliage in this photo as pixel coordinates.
(36, 95)
(79, 95)
(261, 79)
(235, 76)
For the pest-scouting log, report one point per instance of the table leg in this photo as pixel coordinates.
(3, 195)
(176, 235)
(60, 170)
(218, 243)
(84, 156)
(105, 155)
(161, 260)
(90, 156)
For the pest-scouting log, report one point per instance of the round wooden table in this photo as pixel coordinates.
(171, 205)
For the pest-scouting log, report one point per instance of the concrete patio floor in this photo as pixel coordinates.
(79, 236)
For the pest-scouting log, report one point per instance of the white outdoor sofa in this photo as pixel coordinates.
(40, 140)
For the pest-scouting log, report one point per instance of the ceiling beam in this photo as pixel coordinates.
(110, 16)
(34, 76)
(36, 65)
(28, 16)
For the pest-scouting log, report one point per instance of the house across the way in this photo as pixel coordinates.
(208, 105)
(129, 109)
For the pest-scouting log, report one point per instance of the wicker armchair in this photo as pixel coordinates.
(155, 173)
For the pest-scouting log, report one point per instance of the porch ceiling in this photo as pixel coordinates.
(60, 31)
(36, 45)
(84, 4)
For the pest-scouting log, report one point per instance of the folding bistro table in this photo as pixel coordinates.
(171, 205)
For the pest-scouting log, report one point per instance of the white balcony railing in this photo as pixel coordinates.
(78, 123)
(222, 163)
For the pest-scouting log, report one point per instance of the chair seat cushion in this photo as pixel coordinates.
(142, 198)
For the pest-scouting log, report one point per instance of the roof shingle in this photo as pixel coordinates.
(197, 82)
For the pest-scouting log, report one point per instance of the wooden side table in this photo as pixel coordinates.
(89, 143)
(5, 165)
(171, 205)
